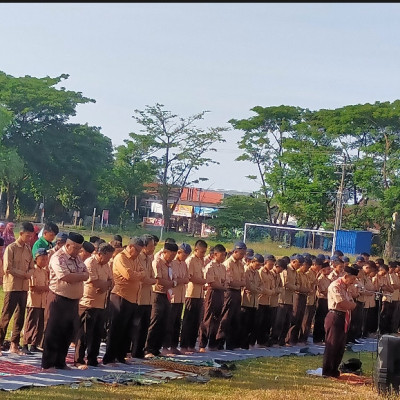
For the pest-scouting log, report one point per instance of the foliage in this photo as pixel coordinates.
(177, 148)
(236, 211)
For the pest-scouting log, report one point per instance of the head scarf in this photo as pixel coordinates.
(8, 234)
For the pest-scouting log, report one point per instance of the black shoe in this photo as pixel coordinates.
(34, 349)
(25, 351)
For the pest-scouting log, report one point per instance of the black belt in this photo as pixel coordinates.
(338, 312)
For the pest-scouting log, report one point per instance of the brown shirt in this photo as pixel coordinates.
(395, 280)
(252, 289)
(312, 281)
(234, 269)
(61, 265)
(195, 267)
(335, 275)
(369, 298)
(337, 292)
(145, 297)
(17, 258)
(267, 286)
(322, 286)
(161, 270)
(303, 283)
(126, 282)
(278, 289)
(215, 272)
(289, 283)
(383, 280)
(91, 298)
(39, 278)
(179, 270)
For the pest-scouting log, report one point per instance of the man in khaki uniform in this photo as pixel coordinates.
(127, 275)
(67, 274)
(194, 298)
(382, 282)
(92, 306)
(161, 303)
(215, 274)
(18, 268)
(395, 282)
(180, 274)
(299, 302)
(312, 276)
(37, 297)
(250, 293)
(263, 316)
(285, 307)
(228, 330)
(322, 304)
(337, 321)
(141, 320)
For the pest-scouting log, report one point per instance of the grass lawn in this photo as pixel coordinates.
(263, 378)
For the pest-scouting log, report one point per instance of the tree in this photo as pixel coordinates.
(177, 148)
(235, 211)
(126, 180)
(39, 112)
(262, 144)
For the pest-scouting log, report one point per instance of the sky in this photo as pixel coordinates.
(223, 57)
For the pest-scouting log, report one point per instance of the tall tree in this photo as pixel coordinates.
(177, 147)
(39, 111)
(262, 144)
(125, 182)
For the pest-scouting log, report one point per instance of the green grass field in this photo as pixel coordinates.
(263, 378)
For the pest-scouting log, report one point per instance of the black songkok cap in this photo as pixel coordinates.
(89, 247)
(76, 237)
(171, 246)
(351, 270)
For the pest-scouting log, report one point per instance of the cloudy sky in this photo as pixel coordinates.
(226, 58)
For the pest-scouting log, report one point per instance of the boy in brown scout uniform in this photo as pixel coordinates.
(215, 274)
(250, 293)
(18, 268)
(37, 295)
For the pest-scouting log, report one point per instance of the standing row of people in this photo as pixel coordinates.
(83, 292)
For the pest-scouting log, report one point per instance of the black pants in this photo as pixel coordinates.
(13, 302)
(141, 322)
(34, 326)
(386, 316)
(396, 316)
(263, 321)
(355, 330)
(213, 304)
(228, 330)
(299, 309)
(335, 343)
(247, 327)
(61, 320)
(89, 335)
(173, 326)
(369, 321)
(320, 314)
(282, 324)
(158, 323)
(191, 322)
(307, 322)
(120, 331)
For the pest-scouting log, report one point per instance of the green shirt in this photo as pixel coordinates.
(41, 243)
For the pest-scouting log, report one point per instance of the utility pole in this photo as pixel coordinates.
(339, 206)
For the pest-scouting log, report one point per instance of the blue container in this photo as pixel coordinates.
(353, 242)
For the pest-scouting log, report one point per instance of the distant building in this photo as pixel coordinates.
(194, 208)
